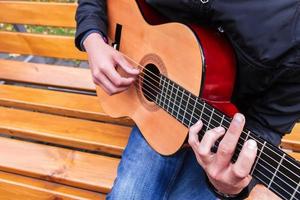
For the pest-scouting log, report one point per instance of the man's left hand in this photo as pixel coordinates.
(227, 177)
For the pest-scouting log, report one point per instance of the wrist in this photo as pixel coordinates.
(224, 196)
(93, 40)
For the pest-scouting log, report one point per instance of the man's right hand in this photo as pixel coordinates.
(103, 60)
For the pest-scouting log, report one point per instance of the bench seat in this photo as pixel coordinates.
(70, 167)
(56, 142)
(58, 103)
(13, 186)
(78, 133)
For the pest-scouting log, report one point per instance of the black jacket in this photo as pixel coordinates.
(266, 38)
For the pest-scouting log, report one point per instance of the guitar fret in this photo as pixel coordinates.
(248, 133)
(258, 157)
(208, 124)
(186, 107)
(165, 105)
(192, 114)
(202, 110)
(262, 181)
(279, 164)
(294, 193)
(170, 98)
(162, 92)
(173, 109)
(179, 105)
(221, 123)
(158, 95)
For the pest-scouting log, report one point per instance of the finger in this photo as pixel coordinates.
(241, 168)
(115, 77)
(208, 140)
(193, 135)
(228, 143)
(126, 66)
(98, 82)
(105, 82)
(101, 85)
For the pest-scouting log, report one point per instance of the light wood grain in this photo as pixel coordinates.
(50, 75)
(40, 45)
(73, 168)
(14, 187)
(292, 140)
(60, 103)
(37, 13)
(260, 192)
(102, 137)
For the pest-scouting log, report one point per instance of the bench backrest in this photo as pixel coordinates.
(36, 13)
(56, 46)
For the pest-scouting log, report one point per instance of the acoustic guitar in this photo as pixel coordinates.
(187, 74)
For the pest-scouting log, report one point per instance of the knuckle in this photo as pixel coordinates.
(225, 150)
(238, 173)
(113, 91)
(214, 174)
(192, 128)
(96, 73)
(191, 141)
(209, 132)
(118, 82)
(202, 152)
(210, 135)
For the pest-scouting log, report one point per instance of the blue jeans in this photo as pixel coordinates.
(143, 174)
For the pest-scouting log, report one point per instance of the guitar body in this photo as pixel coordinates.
(196, 58)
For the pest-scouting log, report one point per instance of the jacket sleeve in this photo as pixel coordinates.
(90, 15)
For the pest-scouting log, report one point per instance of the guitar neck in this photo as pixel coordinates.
(273, 168)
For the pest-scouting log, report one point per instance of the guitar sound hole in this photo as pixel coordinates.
(150, 84)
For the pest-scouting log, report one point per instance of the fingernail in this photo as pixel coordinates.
(251, 144)
(239, 118)
(219, 129)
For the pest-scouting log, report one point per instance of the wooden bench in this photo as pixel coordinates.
(56, 144)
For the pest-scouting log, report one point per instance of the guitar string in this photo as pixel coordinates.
(225, 120)
(276, 190)
(142, 67)
(259, 164)
(241, 145)
(224, 127)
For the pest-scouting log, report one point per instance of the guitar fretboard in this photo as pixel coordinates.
(275, 169)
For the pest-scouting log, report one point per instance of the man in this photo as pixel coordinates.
(266, 38)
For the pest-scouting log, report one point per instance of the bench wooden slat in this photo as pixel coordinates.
(37, 13)
(43, 74)
(295, 155)
(292, 140)
(60, 103)
(14, 187)
(70, 167)
(72, 132)
(40, 45)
